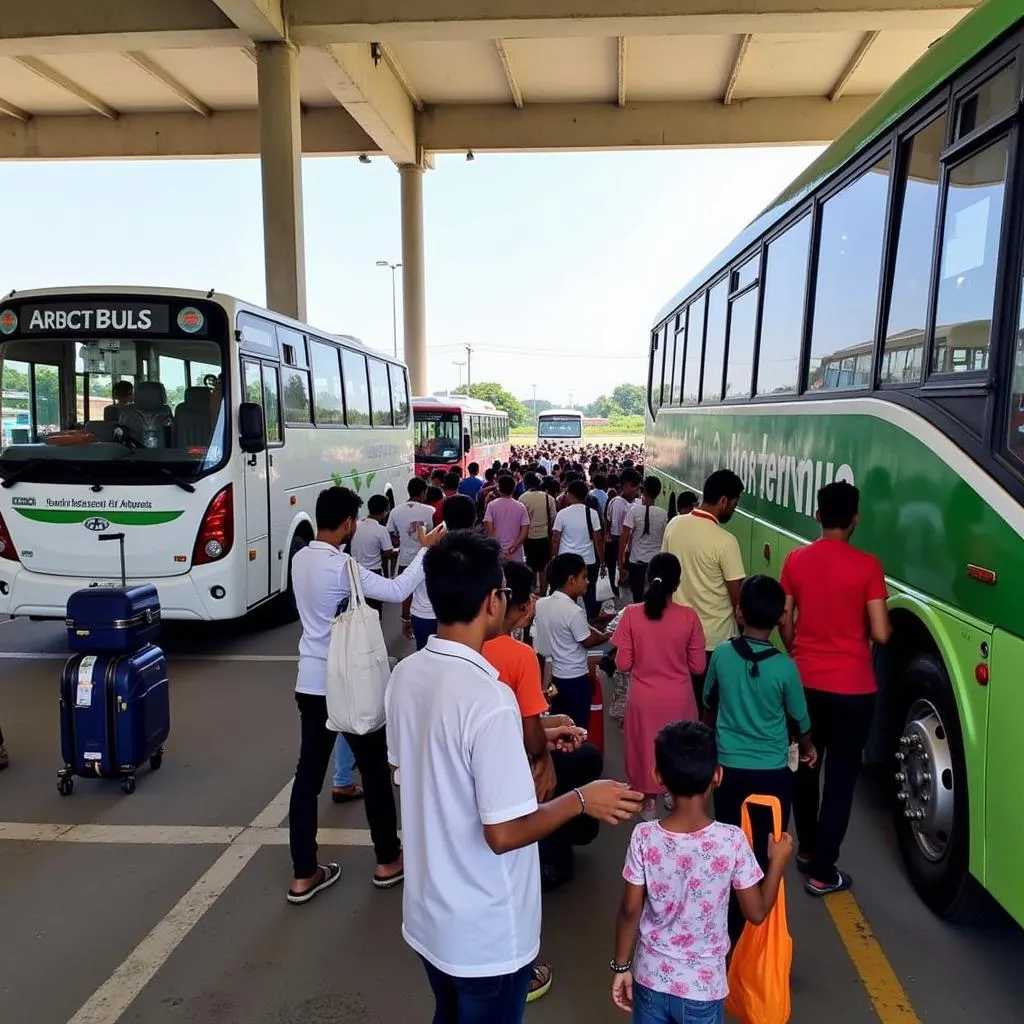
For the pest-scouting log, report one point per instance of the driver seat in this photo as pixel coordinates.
(149, 419)
(193, 419)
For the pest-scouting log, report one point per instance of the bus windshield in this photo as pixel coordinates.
(111, 409)
(438, 437)
(559, 426)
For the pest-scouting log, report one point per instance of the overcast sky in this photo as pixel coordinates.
(551, 266)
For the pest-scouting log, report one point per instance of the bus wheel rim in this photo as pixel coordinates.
(925, 779)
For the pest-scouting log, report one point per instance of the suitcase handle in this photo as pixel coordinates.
(119, 537)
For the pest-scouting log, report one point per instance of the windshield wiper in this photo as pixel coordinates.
(163, 471)
(17, 470)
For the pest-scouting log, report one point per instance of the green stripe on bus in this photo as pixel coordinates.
(55, 515)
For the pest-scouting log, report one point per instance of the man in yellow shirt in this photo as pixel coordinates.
(711, 562)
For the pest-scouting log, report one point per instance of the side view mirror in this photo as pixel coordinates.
(252, 431)
(467, 443)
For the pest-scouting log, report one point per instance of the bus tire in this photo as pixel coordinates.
(931, 812)
(286, 609)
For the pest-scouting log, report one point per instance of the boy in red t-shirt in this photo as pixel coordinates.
(835, 608)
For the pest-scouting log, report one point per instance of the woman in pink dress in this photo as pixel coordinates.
(662, 644)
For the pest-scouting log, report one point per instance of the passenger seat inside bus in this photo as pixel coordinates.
(193, 419)
(149, 418)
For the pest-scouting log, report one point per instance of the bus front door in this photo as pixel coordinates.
(257, 499)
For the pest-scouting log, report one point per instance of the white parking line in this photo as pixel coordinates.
(109, 1002)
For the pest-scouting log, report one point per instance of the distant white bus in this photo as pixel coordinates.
(560, 425)
(200, 427)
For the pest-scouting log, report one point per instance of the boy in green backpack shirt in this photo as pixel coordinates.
(757, 693)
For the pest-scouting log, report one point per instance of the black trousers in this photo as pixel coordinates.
(698, 679)
(611, 561)
(590, 597)
(571, 771)
(840, 726)
(737, 785)
(637, 579)
(315, 754)
(574, 698)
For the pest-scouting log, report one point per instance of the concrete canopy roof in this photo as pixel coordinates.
(406, 78)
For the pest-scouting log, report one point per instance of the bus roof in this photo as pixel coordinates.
(559, 412)
(209, 296)
(461, 402)
(976, 32)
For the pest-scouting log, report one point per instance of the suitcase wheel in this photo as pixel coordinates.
(65, 785)
(157, 760)
(128, 784)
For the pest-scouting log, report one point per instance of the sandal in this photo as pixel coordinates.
(390, 882)
(346, 794)
(803, 863)
(842, 883)
(540, 982)
(328, 875)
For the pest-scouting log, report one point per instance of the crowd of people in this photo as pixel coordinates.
(508, 583)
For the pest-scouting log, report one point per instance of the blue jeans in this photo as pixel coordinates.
(650, 1007)
(344, 762)
(499, 1000)
(423, 630)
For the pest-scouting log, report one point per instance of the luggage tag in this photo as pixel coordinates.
(83, 691)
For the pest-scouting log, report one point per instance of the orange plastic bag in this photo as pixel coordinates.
(759, 973)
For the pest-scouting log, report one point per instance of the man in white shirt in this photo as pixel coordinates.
(405, 520)
(578, 531)
(615, 514)
(320, 577)
(642, 533)
(470, 819)
(371, 545)
(545, 463)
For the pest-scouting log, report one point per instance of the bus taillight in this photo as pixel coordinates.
(217, 530)
(7, 549)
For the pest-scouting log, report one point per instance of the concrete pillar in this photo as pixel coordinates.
(413, 286)
(284, 249)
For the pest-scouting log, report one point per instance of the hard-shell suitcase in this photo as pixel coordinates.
(115, 715)
(113, 620)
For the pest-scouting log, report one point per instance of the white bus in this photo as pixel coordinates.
(560, 425)
(200, 427)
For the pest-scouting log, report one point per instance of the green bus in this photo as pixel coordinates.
(869, 327)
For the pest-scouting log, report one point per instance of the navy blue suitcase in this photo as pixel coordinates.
(115, 715)
(113, 620)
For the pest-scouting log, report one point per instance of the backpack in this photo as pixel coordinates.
(742, 647)
(358, 669)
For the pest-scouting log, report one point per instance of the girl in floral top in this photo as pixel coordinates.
(671, 934)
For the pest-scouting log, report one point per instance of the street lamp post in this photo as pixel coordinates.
(394, 300)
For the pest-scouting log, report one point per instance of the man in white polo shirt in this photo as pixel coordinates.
(470, 819)
(321, 582)
(405, 520)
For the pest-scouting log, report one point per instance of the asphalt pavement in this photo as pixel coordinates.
(167, 906)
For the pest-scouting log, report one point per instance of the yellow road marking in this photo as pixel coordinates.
(887, 995)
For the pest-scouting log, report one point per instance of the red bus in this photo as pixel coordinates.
(454, 431)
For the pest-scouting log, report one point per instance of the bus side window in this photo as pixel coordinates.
(272, 404)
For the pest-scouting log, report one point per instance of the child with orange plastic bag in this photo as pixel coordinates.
(671, 934)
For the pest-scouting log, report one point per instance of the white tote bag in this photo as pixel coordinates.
(358, 669)
(604, 590)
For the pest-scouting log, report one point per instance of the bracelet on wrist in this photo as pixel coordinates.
(617, 968)
(583, 801)
(406, 621)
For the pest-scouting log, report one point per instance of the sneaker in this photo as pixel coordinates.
(841, 884)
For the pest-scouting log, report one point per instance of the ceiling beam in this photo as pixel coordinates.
(510, 74)
(622, 70)
(360, 79)
(226, 133)
(10, 110)
(325, 21)
(164, 77)
(262, 21)
(392, 62)
(599, 126)
(855, 61)
(45, 27)
(61, 81)
(737, 65)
